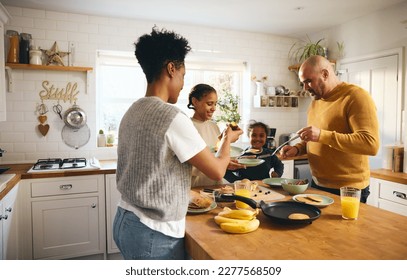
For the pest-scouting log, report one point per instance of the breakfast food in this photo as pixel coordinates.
(299, 182)
(314, 198)
(237, 221)
(242, 214)
(310, 199)
(253, 151)
(249, 226)
(234, 126)
(197, 201)
(298, 216)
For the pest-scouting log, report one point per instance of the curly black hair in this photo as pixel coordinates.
(199, 91)
(154, 51)
(254, 124)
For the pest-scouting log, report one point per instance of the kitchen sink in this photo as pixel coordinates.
(4, 178)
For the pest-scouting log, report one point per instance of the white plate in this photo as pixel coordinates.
(204, 210)
(250, 162)
(326, 200)
(234, 151)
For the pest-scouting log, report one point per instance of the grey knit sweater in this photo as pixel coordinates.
(149, 175)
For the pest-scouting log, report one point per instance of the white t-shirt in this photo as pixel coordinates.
(209, 131)
(185, 141)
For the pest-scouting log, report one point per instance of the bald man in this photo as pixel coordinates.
(342, 130)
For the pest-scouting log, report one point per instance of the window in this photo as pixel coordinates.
(121, 81)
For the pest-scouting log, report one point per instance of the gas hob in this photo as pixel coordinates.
(58, 165)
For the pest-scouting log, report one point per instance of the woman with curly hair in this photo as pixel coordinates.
(158, 145)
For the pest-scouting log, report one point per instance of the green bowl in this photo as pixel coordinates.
(293, 187)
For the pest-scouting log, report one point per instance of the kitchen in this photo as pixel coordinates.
(267, 55)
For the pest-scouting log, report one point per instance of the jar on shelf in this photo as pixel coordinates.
(36, 56)
(14, 47)
(25, 42)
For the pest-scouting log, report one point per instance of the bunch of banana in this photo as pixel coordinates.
(237, 221)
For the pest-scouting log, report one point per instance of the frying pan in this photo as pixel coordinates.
(280, 210)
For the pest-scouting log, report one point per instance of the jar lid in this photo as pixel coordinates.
(25, 36)
(11, 33)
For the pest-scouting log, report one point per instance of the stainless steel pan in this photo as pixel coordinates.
(75, 117)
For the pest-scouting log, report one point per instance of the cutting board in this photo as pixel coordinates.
(265, 194)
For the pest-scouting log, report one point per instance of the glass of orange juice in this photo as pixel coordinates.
(242, 189)
(350, 201)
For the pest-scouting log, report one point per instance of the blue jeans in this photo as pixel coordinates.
(363, 195)
(136, 241)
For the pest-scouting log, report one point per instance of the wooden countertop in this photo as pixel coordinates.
(107, 167)
(386, 174)
(377, 235)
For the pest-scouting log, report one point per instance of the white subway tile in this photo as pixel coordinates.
(67, 26)
(56, 15)
(34, 13)
(46, 24)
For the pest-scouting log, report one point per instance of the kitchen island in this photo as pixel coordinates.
(377, 235)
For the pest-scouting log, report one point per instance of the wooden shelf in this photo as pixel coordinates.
(48, 67)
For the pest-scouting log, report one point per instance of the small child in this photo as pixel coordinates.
(271, 167)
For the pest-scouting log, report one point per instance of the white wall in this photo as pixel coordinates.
(266, 56)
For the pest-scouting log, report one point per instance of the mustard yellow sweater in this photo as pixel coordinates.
(349, 134)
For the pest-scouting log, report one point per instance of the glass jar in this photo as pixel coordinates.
(36, 56)
(14, 47)
(25, 41)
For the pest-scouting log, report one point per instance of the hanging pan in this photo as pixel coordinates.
(75, 117)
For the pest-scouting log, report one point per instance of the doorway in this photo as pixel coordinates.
(380, 74)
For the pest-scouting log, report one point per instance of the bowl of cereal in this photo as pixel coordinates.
(295, 186)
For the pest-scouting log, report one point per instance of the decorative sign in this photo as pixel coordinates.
(50, 92)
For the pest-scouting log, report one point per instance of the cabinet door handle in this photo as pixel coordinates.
(8, 209)
(400, 194)
(3, 217)
(93, 205)
(65, 187)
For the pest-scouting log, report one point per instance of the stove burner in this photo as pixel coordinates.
(73, 163)
(45, 166)
(57, 163)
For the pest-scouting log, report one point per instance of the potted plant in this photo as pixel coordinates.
(303, 49)
(228, 106)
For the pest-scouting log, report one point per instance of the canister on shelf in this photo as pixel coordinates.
(25, 43)
(36, 56)
(14, 46)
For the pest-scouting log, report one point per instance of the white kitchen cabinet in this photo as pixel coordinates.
(9, 226)
(388, 195)
(4, 17)
(112, 199)
(66, 217)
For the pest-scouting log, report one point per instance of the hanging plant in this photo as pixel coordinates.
(303, 49)
(228, 106)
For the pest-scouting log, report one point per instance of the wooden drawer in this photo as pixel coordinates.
(393, 192)
(49, 187)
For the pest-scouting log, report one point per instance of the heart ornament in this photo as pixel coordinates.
(43, 129)
(42, 118)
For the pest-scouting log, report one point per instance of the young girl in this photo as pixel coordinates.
(203, 99)
(271, 167)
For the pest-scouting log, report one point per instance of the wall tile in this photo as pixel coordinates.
(266, 56)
